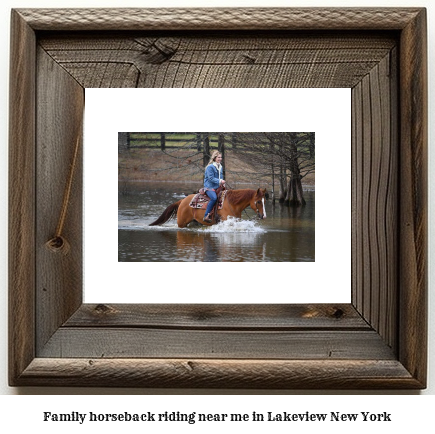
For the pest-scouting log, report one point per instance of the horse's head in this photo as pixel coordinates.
(257, 203)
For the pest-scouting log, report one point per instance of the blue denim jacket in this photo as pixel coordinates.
(212, 177)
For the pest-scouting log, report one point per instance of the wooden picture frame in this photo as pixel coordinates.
(376, 342)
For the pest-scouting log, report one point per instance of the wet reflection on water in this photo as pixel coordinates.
(288, 234)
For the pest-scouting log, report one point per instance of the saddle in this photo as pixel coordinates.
(201, 200)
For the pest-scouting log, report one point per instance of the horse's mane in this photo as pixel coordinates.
(237, 196)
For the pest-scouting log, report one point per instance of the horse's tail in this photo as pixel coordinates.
(168, 213)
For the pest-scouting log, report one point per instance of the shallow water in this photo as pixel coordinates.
(287, 234)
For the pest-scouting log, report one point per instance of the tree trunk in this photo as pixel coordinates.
(312, 149)
(123, 142)
(272, 153)
(198, 142)
(282, 184)
(221, 149)
(295, 195)
(273, 183)
(206, 150)
(234, 140)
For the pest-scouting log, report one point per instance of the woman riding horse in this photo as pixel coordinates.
(213, 179)
(235, 202)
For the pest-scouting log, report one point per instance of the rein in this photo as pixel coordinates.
(249, 218)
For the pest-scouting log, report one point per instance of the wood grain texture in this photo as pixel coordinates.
(95, 342)
(59, 280)
(269, 317)
(235, 61)
(220, 18)
(21, 197)
(378, 342)
(413, 188)
(375, 199)
(228, 374)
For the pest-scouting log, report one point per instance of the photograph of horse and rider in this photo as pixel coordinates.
(236, 197)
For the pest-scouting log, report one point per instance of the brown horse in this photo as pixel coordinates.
(235, 202)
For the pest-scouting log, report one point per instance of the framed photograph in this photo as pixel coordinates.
(61, 57)
(147, 172)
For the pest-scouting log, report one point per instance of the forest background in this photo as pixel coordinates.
(284, 162)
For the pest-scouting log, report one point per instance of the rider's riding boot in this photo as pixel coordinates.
(207, 218)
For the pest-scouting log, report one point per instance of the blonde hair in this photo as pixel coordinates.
(213, 157)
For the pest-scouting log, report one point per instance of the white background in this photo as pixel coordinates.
(324, 111)
(414, 413)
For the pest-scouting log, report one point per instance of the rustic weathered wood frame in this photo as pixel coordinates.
(377, 341)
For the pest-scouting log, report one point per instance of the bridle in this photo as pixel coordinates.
(257, 210)
(228, 187)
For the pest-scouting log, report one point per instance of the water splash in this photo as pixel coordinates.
(235, 225)
(231, 225)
